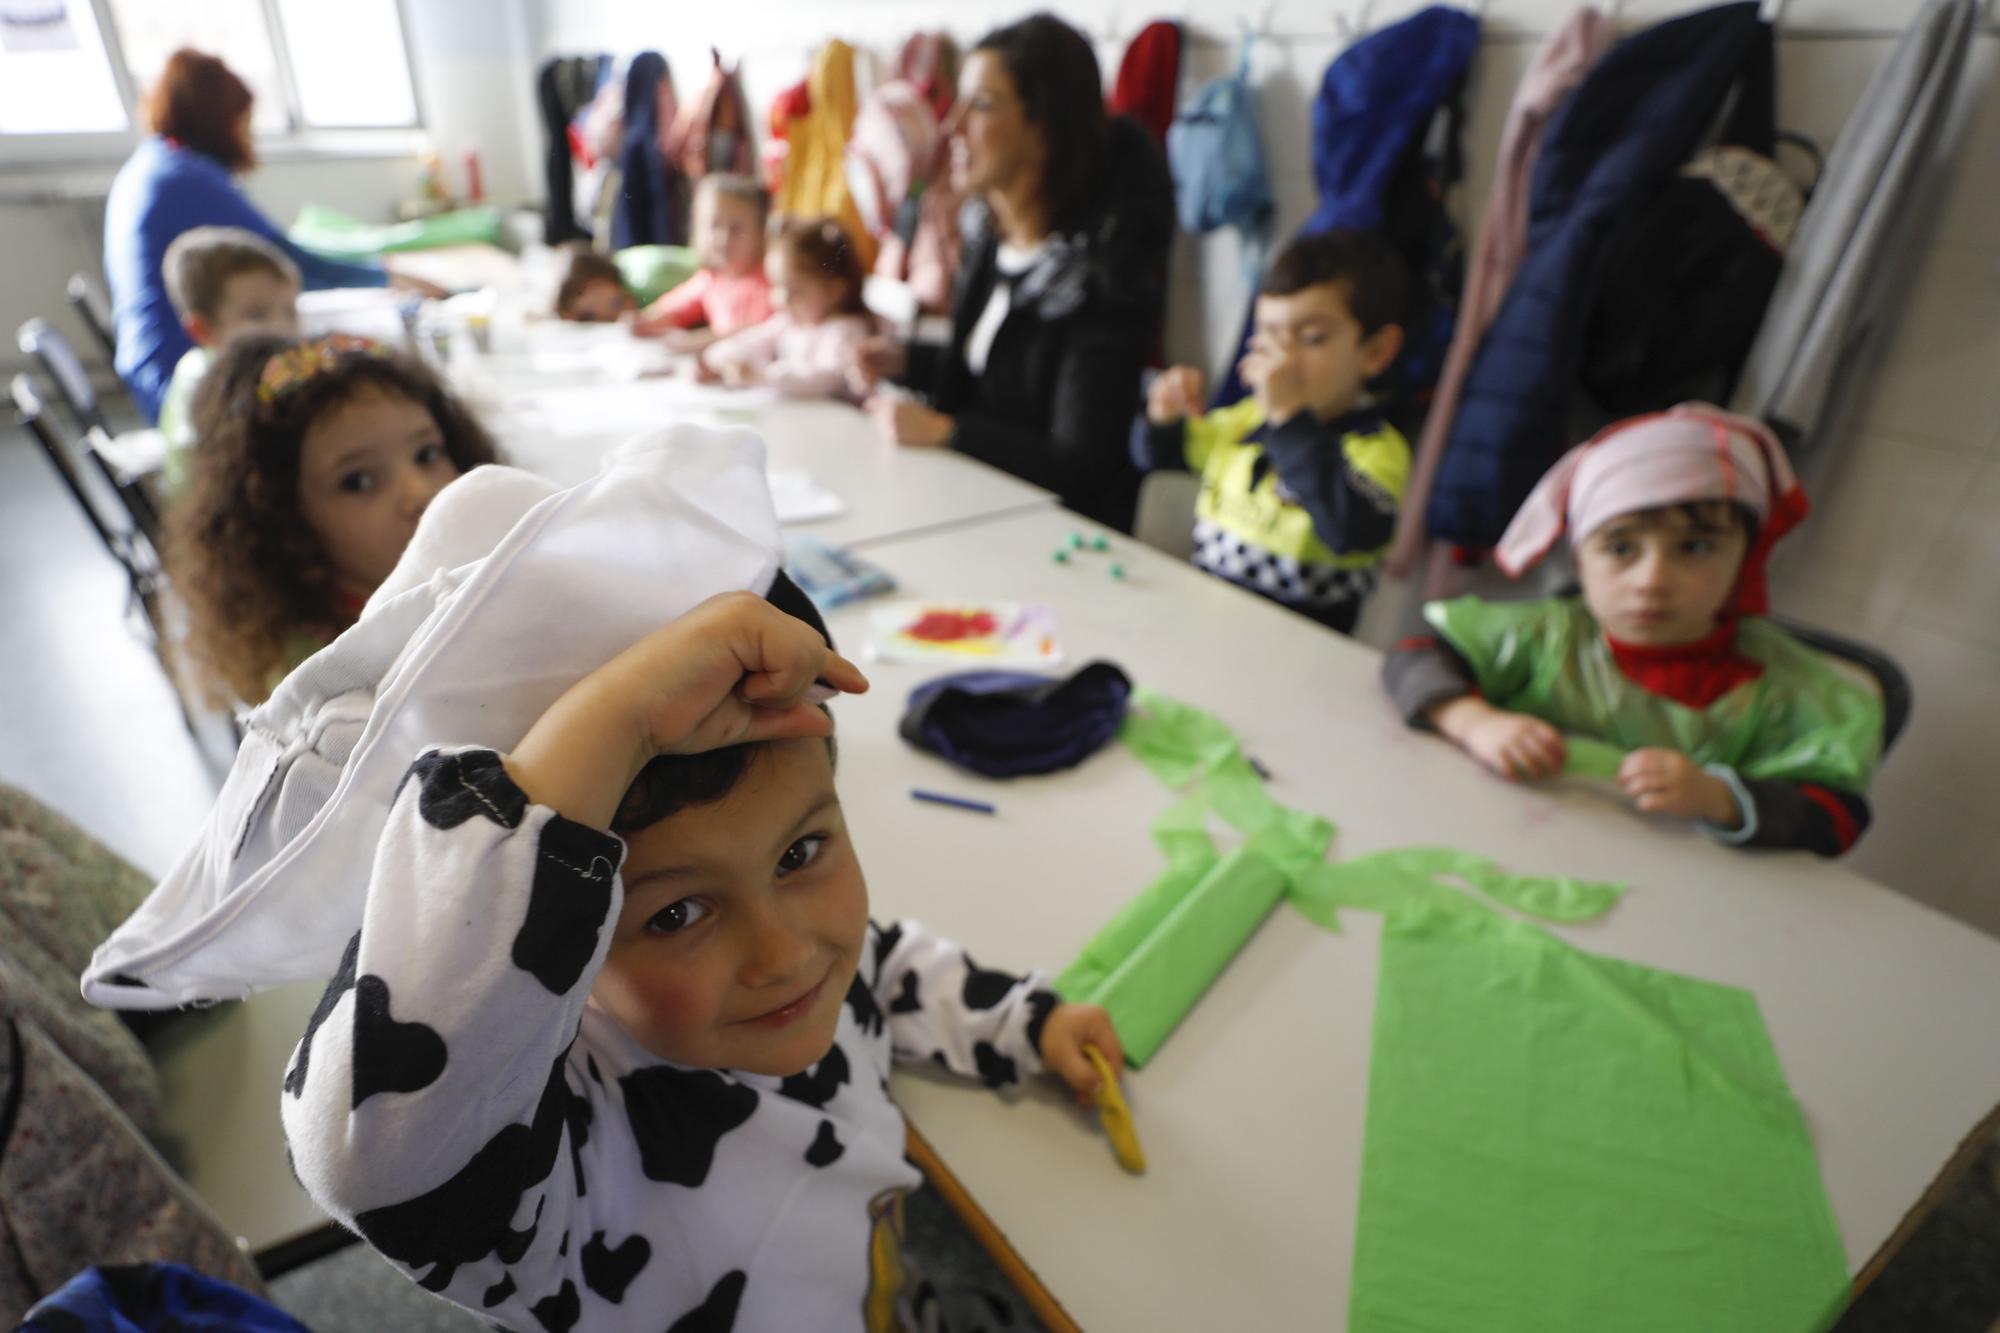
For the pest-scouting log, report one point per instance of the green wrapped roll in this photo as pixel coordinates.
(1170, 949)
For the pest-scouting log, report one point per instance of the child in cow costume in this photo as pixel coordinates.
(609, 1030)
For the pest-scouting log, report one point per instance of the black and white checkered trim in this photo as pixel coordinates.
(1318, 587)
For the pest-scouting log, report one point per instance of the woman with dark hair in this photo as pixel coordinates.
(198, 112)
(1063, 280)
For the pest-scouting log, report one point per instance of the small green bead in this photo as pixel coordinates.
(1118, 571)
(1101, 544)
(1061, 557)
(1076, 541)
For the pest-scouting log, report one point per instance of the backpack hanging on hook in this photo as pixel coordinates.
(1216, 154)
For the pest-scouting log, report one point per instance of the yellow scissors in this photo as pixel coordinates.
(1116, 1115)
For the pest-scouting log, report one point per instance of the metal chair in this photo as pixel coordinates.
(32, 412)
(1164, 519)
(125, 460)
(90, 309)
(51, 351)
(1891, 680)
(117, 527)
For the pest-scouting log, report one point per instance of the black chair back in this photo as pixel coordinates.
(118, 526)
(95, 316)
(51, 351)
(122, 536)
(31, 412)
(1897, 696)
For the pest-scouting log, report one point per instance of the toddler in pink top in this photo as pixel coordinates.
(804, 350)
(731, 292)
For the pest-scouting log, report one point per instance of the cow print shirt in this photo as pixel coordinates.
(456, 1101)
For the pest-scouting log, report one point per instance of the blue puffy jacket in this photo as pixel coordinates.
(1374, 100)
(1619, 139)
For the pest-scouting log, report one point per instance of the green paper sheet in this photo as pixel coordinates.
(1153, 961)
(329, 232)
(1588, 757)
(1149, 978)
(1562, 1143)
(1175, 741)
(1417, 876)
(1550, 897)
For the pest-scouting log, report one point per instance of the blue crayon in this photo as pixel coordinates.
(939, 798)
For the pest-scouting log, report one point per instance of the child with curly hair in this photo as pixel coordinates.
(317, 458)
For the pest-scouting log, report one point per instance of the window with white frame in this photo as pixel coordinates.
(312, 65)
(54, 75)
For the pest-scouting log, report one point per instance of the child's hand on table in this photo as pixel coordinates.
(733, 670)
(1513, 745)
(1666, 782)
(1176, 393)
(903, 421)
(1071, 1027)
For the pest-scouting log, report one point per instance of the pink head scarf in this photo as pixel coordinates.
(1695, 451)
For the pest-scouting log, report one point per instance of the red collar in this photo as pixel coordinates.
(1695, 674)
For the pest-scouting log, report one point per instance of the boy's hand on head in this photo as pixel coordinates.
(1176, 393)
(1071, 1027)
(732, 671)
(1513, 745)
(1660, 781)
(1277, 378)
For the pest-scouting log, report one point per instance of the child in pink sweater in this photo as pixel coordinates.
(731, 292)
(803, 350)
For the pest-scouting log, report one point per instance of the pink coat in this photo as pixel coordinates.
(798, 360)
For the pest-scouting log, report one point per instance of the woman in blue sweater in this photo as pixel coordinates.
(179, 179)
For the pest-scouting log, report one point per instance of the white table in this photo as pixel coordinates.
(1252, 1113)
(552, 413)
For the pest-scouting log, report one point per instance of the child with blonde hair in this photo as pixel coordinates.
(731, 291)
(1726, 719)
(223, 281)
(804, 350)
(317, 458)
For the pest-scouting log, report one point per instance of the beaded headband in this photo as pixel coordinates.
(298, 366)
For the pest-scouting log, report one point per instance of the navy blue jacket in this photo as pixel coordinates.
(1374, 100)
(648, 211)
(1619, 139)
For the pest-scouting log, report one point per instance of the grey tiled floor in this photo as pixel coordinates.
(88, 722)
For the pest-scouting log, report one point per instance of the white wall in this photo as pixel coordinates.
(472, 62)
(1905, 548)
